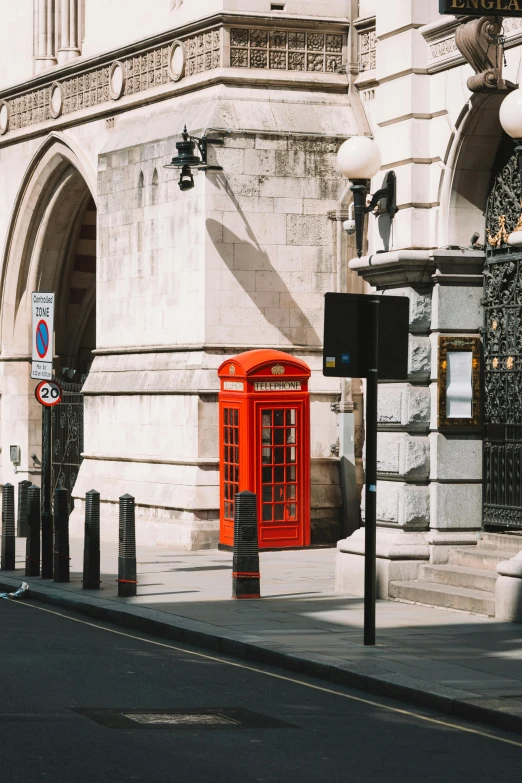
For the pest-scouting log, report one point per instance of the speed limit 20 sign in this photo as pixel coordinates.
(48, 393)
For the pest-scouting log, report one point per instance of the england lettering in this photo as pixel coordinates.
(481, 7)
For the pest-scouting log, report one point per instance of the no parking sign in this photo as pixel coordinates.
(42, 336)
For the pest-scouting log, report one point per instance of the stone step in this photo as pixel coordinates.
(505, 542)
(476, 557)
(448, 596)
(459, 576)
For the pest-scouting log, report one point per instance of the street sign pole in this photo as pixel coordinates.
(42, 369)
(370, 515)
(366, 336)
(48, 394)
(47, 516)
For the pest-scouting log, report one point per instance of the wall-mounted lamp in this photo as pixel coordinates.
(359, 159)
(186, 159)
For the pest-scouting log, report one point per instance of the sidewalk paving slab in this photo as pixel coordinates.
(464, 665)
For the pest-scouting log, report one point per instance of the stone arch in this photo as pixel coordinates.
(57, 188)
(469, 163)
(46, 251)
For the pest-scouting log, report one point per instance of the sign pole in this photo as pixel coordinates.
(42, 369)
(366, 336)
(370, 523)
(47, 516)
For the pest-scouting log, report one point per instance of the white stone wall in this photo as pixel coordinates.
(241, 261)
(16, 43)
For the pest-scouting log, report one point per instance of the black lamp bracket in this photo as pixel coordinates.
(388, 194)
(202, 143)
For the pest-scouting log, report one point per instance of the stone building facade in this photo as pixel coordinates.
(155, 286)
(446, 145)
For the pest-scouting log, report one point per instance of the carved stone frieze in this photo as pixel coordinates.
(203, 52)
(444, 48)
(477, 40)
(367, 50)
(286, 50)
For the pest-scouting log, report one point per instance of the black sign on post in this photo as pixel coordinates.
(348, 323)
(366, 336)
(481, 7)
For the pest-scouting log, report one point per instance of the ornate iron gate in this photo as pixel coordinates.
(503, 354)
(67, 438)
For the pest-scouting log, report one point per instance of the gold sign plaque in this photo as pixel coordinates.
(459, 383)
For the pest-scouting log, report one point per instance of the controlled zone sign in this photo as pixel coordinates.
(42, 336)
(48, 393)
(481, 7)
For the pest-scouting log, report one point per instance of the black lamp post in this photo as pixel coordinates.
(359, 159)
(186, 159)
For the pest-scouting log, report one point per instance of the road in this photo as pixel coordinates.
(55, 664)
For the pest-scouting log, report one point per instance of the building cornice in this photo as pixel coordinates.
(443, 51)
(81, 65)
(238, 48)
(405, 267)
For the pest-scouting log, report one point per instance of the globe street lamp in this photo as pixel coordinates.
(510, 116)
(359, 159)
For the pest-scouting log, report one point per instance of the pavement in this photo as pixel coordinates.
(464, 665)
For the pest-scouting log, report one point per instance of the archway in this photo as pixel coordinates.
(470, 160)
(51, 246)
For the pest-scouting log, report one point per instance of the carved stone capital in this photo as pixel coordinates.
(477, 40)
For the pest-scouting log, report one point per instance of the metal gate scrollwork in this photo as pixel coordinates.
(502, 335)
(67, 438)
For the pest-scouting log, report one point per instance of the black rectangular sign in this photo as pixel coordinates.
(481, 7)
(346, 330)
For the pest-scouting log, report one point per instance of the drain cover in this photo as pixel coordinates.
(187, 718)
(180, 719)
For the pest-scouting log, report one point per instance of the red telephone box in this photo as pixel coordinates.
(264, 442)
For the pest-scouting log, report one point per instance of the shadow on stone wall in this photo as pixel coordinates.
(301, 331)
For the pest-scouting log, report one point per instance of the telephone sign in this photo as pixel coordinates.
(48, 393)
(42, 336)
(481, 7)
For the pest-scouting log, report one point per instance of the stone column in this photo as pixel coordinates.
(69, 47)
(429, 482)
(44, 20)
(403, 496)
(456, 459)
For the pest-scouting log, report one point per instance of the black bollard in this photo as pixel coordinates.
(61, 535)
(8, 529)
(245, 569)
(47, 544)
(32, 546)
(127, 553)
(91, 544)
(23, 508)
